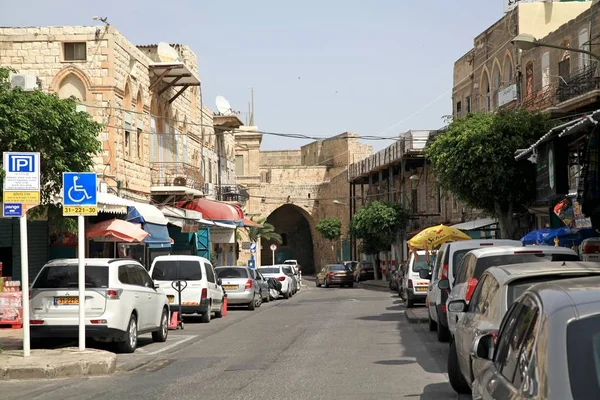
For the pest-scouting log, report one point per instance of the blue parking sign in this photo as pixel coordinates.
(79, 189)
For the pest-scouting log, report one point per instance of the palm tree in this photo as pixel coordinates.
(266, 232)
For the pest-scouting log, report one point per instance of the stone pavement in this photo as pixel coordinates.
(11, 339)
(417, 315)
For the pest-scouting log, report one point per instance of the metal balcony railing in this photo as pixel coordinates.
(582, 82)
(233, 193)
(176, 174)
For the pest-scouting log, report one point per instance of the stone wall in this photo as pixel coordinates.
(280, 158)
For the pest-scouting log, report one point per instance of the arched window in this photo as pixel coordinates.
(139, 108)
(584, 37)
(508, 70)
(496, 80)
(71, 85)
(484, 91)
(545, 70)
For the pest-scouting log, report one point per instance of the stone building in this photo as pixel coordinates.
(294, 189)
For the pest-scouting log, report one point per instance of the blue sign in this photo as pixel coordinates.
(79, 189)
(253, 247)
(251, 264)
(12, 210)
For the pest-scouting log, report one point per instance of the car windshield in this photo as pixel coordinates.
(172, 270)
(270, 270)
(508, 259)
(420, 262)
(583, 357)
(288, 270)
(231, 272)
(66, 276)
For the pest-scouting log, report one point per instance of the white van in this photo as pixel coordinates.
(201, 289)
(414, 288)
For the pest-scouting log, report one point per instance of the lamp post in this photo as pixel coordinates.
(526, 41)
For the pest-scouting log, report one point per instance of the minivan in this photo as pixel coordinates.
(414, 288)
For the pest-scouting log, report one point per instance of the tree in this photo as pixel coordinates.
(36, 121)
(378, 225)
(474, 158)
(331, 229)
(266, 231)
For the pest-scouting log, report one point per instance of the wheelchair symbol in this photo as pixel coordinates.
(80, 190)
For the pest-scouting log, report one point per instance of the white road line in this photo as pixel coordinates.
(177, 343)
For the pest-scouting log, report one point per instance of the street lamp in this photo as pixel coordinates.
(526, 41)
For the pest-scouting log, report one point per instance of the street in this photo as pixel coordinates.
(321, 344)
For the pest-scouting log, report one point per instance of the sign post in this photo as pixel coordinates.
(273, 248)
(252, 252)
(21, 191)
(79, 199)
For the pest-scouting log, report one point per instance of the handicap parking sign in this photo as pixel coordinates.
(79, 193)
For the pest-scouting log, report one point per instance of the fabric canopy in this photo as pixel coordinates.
(141, 213)
(158, 236)
(250, 223)
(116, 230)
(214, 210)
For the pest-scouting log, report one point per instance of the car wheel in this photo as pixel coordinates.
(206, 316)
(130, 343)
(432, 324)
(443, 333)
(219, 314)
(457, 380)
(161, 334)
(252, 304)
(326, 283)
(317, 283)
(259, 300)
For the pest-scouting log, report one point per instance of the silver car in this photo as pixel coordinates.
(548, 345)
(240, 286)
(498, 288)
(263, 283)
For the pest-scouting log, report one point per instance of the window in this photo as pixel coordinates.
(484, 263)
(457, 259)
(210, 171)
(529, 79)
(545, 70)
(127, 139)
(583, 357)
(479, 296)
(66, 276)
(175, 270)
(143, 276)
(210, 274)
(232, 273)
(140, 143)
(239, 165)
(458, 107)
(466, 268)
(584, 59)
(468, 103)
(74, 51)
(134, 276)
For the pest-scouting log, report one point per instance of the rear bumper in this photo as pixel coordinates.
(72, 331)
(240, 297)
(413, 295)
(340, 280)
(200, 308)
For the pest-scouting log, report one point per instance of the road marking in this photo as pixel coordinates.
(177, 343)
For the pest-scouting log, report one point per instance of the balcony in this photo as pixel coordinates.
(176, 174)
(582, 82)
(540, 100)
(232, 193)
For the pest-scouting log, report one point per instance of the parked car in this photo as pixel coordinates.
(240, 286)
(363, 271)
(447, 261)
(263, 283)
(277, 272)
(297, 272)
(121, 302)
(497, 289)
(476, 262)
(335, 274)
(547, 346)
(291, 271)
(202, 293)
(413, 288)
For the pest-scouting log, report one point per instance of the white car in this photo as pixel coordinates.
(121, 302)
(447, 260)
(277, 272)
(297, 273)
(414, 288)
(201, 292)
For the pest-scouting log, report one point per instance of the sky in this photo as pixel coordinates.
(319, 68)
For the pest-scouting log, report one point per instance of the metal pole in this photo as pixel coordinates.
(273, 257)
(81, 280)
(25, 284)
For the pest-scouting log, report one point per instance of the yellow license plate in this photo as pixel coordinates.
(171, 299)
(340, 274)
(421, 289)
(230, 287)
(62, 301)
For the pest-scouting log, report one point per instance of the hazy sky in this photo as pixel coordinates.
(317, 67)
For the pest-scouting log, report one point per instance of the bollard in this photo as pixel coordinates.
(225, 304)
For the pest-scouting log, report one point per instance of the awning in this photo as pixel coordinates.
(557, 130)
(116, 230)
(158, 236)
(222, 225)
(179, 216)
(250, 223)
(141, 213)
(173, 74)
(474, 225)
(215, 211)
(589, 121)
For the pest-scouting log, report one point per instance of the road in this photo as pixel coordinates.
(321, 344)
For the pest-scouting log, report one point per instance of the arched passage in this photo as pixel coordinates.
(293, 225)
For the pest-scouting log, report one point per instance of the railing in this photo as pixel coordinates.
(176, 174)
(540, 99)
(584, 81)
(233, 193)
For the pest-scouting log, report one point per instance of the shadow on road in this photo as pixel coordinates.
(435, 391)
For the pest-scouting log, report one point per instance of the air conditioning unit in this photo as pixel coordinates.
(208, 188)
(23, 81)
(180, 181)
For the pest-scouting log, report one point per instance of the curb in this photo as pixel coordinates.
(415, 319)
(52, 364)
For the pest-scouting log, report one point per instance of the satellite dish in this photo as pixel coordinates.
(223, 106)
(166, 53)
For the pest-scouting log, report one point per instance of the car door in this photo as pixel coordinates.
(432, 294)
(154, 299)
(139, 295)
(214, 289)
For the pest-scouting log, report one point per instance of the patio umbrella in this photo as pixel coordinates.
(116, 230)
(434, 236)
(536, 237)
(569, 237)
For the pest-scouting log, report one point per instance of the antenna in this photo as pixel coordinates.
(252, 112)
(166, 53)
(223, 106)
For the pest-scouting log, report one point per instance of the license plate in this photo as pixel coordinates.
(421, 289)
(171, 299)
(340, 274)
(230, 287)
(63, 301)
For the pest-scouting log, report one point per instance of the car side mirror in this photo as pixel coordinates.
(155, 285)
(458, 306)
(444, 284)
(483, 346)
(424, 274)
(219, 281)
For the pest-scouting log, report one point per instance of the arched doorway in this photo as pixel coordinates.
(292, 224)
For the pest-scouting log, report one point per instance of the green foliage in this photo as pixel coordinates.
(330, 228)
(378, 224)
(266, 232)
(474, 159)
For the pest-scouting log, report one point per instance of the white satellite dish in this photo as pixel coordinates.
(223, 106)
(166, 53)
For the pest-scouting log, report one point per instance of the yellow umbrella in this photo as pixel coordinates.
(433, 236)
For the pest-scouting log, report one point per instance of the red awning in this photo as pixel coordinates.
(249, 222)
(214, 210)
(116, 230)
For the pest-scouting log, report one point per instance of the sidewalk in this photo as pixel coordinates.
(45, 364)
(417, 315)
(376, 283)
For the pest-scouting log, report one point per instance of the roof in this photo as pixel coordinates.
(508, 273)
(577, 292)
(88, 261)
(500, 250)
(478, 223)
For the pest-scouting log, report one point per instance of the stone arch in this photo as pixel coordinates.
(75, 74)
(508, 68)
(139, 102)
(296, 226)
(485, 89)
(127, 100)
(496, 81)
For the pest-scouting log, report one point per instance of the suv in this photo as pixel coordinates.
(201, 292)
(413, 288)
(121, 302)
(476, 262)
(448, 259)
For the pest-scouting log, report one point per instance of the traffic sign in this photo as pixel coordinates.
(22, 171)
(79, 193)
(12, 210)
(273, 247)
(253, 247)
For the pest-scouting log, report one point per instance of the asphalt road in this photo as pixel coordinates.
(321, 344)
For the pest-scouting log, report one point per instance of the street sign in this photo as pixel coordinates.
(22, 171)
(253, 247)
(273, 247)
(251, 264)
(12, 210)
(79, 194)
